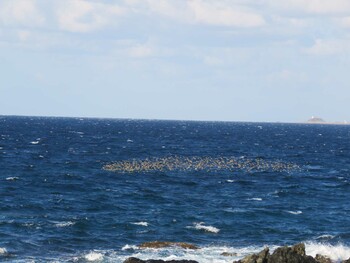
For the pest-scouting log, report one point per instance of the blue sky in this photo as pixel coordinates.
(233, 60)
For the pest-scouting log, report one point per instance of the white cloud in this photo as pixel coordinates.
(326, 7)
(214, 13)
(329, 47)
(84, 16)
(20, 13)
(207, 12)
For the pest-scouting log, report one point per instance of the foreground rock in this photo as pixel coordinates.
(322, 259)
(136, 260)
(261, 257)
(163, 244)
(294, 254)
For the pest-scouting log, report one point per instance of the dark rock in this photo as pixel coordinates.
(261, 257)
(133, 260)
(162, 244)
(322, 259)
(136, 260)
(346, 261)
(299, 249)
(295, 254)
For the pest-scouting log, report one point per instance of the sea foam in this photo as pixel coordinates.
(334, 252)
(255, 199)
(14, 178)
(140, 223)
(207, 254)
(295, 212)
(94, 256)
(64, 224)
(201, 226)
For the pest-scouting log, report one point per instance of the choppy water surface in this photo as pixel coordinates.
(80, 190)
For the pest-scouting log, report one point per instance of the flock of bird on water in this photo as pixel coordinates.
(197, 163)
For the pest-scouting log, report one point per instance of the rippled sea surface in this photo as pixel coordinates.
(58, 204)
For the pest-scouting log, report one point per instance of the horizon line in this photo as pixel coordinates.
(160, 119)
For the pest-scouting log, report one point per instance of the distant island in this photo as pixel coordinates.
(318, 120)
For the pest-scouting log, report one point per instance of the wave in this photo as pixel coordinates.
(334, 252)
(236, 210)
(201, 226)
(218, 254)
(295, 212)
(14, 178)
(328, 237)
(129, 247)
(207, 254)
(255, 199)
(140, 223)
(65, 224)
(94, 256)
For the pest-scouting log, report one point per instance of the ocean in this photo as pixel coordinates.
(92, 190)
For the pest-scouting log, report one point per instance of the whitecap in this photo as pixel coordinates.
(94, 256)
(230, 181)
(140, 223)
(201, 226)
(129, 140)
(14, 178)
(255, 199)
(3, 251)
(28, 224)
(129, 247)
(336, 253)
(295, 212)
(64, 224)
(325, 237)
(34, 142)
(235, 210)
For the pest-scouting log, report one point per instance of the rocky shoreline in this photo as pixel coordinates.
(285, 254)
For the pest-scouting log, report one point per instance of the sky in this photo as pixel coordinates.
(224, 60)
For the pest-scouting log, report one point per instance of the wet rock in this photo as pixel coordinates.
(322, 259)
(136, 260)
(346, 261)
(133, 260)
(163, 244)
(299, 249)
(228, 254)
(261, 257)
(295, 254)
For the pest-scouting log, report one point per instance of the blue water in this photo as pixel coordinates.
(58, 204)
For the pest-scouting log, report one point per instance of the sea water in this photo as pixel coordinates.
(223, 186)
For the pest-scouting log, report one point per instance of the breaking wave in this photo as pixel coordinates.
(207, 254)
(201, 226)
